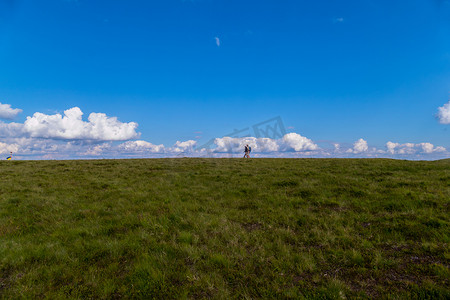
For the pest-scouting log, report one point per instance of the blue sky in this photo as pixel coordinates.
(334, 71)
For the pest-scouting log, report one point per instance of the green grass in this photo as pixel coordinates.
(225, 228)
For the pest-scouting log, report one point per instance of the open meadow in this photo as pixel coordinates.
(225, 228)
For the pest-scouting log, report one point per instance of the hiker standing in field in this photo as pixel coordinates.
(247, 151)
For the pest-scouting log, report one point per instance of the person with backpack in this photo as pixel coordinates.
(247, 151)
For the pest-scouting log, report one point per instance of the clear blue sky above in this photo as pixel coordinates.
(333, 70)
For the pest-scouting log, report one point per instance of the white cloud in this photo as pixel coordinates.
(391, 147)
(187, 146)
(99, 127)
(229, 144)
(411, 148)
(427, 147)
(141, 146)
(440, 149)
(359, 146)
(217, 41)
(407, 148)
(430, 148)
(444, 114)
(296, 142)
(11, 129)
(290, 142)
(98, 149)
(38, 148)
(267, 145)
(8, 113)
(68, 136)
(7, 148)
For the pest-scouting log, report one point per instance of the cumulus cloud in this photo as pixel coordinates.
(7, 148)
(290, 146)
(141, 146)
(187, 146)
(291, 142)
(296, 142)
(430, 148)
(37, 147)
(99, 127)
(427, 147)
(11, 129)
(397, 148)
(391, 147)
(98, 149)
(440, 149)
(7, 112)
(69, 136)
(411, 148)
(267, 145)
(229, 144)
(359, 146)
(444, 114)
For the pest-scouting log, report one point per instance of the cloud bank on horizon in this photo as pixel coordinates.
(68, 136)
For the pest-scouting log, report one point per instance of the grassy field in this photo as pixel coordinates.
(225, 228)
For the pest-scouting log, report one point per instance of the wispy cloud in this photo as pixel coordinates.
(338, 20)
(217, 41)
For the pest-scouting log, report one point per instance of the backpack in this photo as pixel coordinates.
(249, 149)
